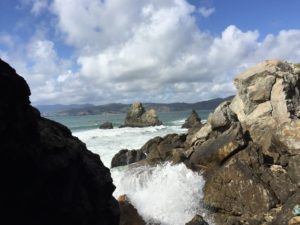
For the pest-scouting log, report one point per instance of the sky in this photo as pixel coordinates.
(104, 51)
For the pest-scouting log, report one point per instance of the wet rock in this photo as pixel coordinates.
(193, 121)
(197, 220)
(125, 157)
(137, 116)
(129, 214)
(48, 176)
(106, 125)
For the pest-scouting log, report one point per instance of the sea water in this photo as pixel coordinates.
(165, 194)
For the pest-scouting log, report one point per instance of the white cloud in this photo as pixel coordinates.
(36, 6)
(206, 12)
(148, 50)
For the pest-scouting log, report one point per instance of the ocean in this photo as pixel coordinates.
(165, 194)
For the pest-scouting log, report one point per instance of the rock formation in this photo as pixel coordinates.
(106, 125)
(193, 121)
(47, 176)
(137, 116)
(249, 149)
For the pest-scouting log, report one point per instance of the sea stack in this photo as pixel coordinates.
(137, 116)
(47, 176)
(193, 121)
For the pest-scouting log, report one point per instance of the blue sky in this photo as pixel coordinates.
(101, 51)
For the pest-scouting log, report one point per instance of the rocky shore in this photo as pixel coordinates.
(48, 177)
(248, 151)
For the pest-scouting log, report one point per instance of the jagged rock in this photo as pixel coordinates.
(193, 121)
(294, 169)
(129, 214)
(222, 117)
(268, 92)
(137, 116)
(277, 178)
(286, 213)
(236, 190)
(216, 150)
(197, 220)
(47, 176)
(126, 157)
(106, 125)
(288, 134)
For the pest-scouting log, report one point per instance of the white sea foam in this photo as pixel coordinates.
(169, 195)
(107, 143)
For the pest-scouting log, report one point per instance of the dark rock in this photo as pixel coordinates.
(163, 149)
(106, 125)
(237, 190)
(193, 121)
(286, 212)
(279, 181)
(129, 214)
(294, 169)
(216, 151)
(197, 220)
(47, 176)
(126, 157)
(137, 116)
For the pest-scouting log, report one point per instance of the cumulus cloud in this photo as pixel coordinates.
(148, 50)
(206, 12)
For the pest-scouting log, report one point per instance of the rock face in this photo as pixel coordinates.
(193, 121)
(125, 157)
(129, 214)
(106, 125)
(137, 116)
(47, 176)
(249, 149)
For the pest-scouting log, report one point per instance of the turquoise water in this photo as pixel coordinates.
(76, 123)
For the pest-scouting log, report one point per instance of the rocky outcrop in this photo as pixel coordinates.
(106, 125)
(129, 214)
(248, 151)
(125, 157)
(193, 121)
(47, 176)
(137, 116)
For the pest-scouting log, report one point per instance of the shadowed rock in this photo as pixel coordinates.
(106, 125)
(193, 121)
(47, 176)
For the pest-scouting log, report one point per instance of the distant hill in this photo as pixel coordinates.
(88, 109)
(52, 109)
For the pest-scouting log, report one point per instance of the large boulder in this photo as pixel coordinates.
(267, 95)
(125, 157)
(47, 176)
(137, 116)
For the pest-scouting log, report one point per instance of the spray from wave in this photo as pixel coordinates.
(166, 194)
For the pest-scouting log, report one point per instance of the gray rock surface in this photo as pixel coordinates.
(137, 116)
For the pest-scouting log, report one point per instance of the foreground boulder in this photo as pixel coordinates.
(47, 176)
(137, 116)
